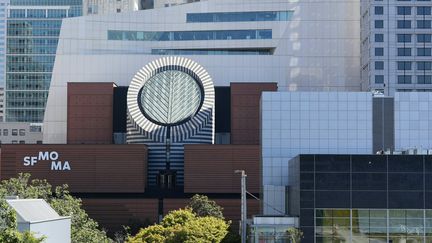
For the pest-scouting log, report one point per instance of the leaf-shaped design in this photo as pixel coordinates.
(171, 97)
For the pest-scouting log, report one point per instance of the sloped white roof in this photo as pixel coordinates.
(33, 210)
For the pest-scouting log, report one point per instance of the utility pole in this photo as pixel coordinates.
(243, 205)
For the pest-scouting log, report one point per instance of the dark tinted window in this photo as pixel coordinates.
(364, 163)
(405, 163)
(369, 181)
(332, 163)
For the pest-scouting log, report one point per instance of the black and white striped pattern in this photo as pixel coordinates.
(198, 130)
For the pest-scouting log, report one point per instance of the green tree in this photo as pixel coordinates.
(202, 206)
(83, 228)
(184, 226)
(294, 235)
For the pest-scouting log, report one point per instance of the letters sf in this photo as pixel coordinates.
(47, 156)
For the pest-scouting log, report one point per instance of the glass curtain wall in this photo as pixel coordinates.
(373, 225)
(33, 28)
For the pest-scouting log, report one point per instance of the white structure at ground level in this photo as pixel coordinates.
(37, 216)
(296, 44)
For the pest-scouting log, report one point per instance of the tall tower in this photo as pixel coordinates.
(33, 28)
(396, 45)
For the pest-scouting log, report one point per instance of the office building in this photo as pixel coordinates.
(91, 7)
(362, 198)
(33, 28)
(335, 123)
(396, 45)
(20, 133)
(2, 104)
(3, 7)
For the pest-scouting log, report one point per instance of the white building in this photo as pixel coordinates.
(301, 45)
(37, 216)
(110, 6)
(20, 133)
(396, 45)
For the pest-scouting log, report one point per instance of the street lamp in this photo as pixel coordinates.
(243, 204)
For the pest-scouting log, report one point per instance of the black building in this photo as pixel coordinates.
(362, 198)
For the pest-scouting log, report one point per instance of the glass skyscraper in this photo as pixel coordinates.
(33, 28)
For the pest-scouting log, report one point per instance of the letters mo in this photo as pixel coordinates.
(47, 156)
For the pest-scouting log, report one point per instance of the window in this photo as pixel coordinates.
(424, 66)
(379, 10)
(404, 24)
(379, 38)
(403, 10)
(424, 79)
(423, 10)
(404, 38)
(424, 52)
(22, 142)
(404, 79)
(36, 13)
(22, 132)
(424, 38)
(379, 51)
(56, 13)
(190, 35)
(14, 132)
(379, 24)
(403, 66)
(5, 132)
(118, 10)
(404, 52)
(423, 24)
(17, 13)
(379, 79)
(14, 142)
(379, 65)
(239, 16)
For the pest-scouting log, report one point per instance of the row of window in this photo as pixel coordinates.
(406, 79)
(209, 52)
(405, 52)
(405, 24)
(407, 38)
(189, 35)
(15, 132)
(405, 10)
(239, 16)
(24, 115)
(43, 13)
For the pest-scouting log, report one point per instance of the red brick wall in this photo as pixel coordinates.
(90, 113)
(94, 168)
(245, 111)
(210, 168)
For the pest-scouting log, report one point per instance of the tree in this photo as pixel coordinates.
(83, 228)
(294, 235)
(202, 206)
(183, 225)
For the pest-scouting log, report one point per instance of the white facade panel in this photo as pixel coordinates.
(310, 123)
(315, 50)
(413, 121)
